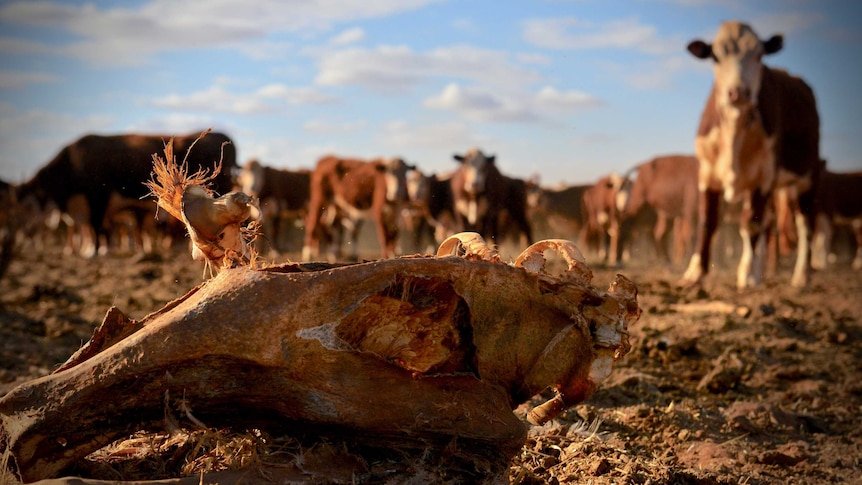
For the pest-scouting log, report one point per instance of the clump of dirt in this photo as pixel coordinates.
(720, 387)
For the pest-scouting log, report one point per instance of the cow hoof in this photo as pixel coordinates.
(798, 281)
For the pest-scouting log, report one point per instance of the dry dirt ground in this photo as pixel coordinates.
(720, 387)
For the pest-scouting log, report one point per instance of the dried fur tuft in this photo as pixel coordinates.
(169, 180)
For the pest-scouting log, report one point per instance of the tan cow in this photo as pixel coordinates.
(759, 131)
(668, 185)
(344, 192)
(601, 230)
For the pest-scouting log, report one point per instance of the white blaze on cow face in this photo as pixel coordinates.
(475, 170)
(737, 150)
(417, 186)
(475, 166)
(396, 180)
(251, 178)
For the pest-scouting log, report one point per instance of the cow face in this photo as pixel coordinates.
(396, 179)
(251, 178)
(736, 53)
(418, 186)
(475, 166)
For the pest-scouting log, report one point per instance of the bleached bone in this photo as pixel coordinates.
(398, 352)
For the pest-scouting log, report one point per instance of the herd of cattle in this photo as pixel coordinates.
(756, 162)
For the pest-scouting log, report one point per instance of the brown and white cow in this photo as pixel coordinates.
(283, 195)
(839, 201)
(484, 197)
(667, 185)
(759, 131)
(345, 191)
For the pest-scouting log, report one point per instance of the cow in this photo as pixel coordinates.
(431, 211)
(668, 186)
(283, 195)
(759, 132)
(95, 166)
(345, 191)
(839, 201)
(601, 228)
(560, 209)
(484, 197)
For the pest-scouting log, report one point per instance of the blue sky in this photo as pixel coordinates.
(566, 90)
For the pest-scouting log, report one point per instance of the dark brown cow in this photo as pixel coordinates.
(561, 210)
(96, 166)
(343, 192)
(483, 197)
(600, 234)
(839, 201)
(758, 132)
(668, 186)
(283, 195)
(431, 213)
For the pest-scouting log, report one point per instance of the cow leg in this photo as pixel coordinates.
(753, 229)
(624, 237)
(805, 216)
(98, 210)
(708, 208)
(681, 238)
(857, 230)
(658, 233)
(822, 242)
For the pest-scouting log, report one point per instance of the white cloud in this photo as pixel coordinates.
(328, 127)
(570, 33)
(130, 36)
(269, 98)
(393, 67)
(552, 99)
(481, 105)
(14, 80)
(349, 36)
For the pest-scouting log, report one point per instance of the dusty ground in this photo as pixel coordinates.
(719, 388)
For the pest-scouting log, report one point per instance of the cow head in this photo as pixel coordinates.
(737, 149)
(251, 178)
(736, 53)
(396, 178)
(418, 186)
(475, 166)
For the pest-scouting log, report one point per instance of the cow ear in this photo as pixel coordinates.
(774, 44)
(700, 49)
(491, 158)
(458, 158)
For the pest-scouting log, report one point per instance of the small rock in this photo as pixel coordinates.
(600, 467)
